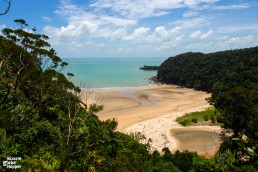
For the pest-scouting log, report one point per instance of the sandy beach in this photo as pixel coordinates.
(151, 110)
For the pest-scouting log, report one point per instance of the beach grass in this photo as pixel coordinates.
(208, 116)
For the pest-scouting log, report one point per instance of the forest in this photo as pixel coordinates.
(146, 67)
(232, 79)
(54, 130)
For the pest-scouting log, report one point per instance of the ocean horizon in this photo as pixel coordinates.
(106, 73)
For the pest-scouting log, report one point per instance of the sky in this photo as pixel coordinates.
(138, 28)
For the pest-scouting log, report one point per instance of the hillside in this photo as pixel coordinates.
(45, 126)
(202, 71)
(232, 78)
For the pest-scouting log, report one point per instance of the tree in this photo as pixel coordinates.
(231, 77)
(32, 113)
(43, 118)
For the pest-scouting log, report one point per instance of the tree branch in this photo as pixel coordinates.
(8, 7)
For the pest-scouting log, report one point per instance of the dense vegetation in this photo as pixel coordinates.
(206, 117)
(145, 67)
(232, 78)
(202, 71)
(44, 121)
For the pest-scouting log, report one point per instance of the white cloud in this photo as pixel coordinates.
(192, 23)
(239, 28)
(170, 44)
(239, 41)
(138, 9)
(2, 26)
(119, 21)
(74, 45)
(146, 8)
(195, 3)
(68, 31)
(206, 35)
(138, 34)
(47, 19)
(118, 33)
(196, 34)
(85, 23)
(161, 33)
(232, 7)
(120, 25)
(224, 43)
(67, 9)
(189, 14)
(199, 34)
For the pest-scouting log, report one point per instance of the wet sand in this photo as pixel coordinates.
(150, 110)
(204, 140)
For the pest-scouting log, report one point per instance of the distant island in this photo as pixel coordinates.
(145, 67)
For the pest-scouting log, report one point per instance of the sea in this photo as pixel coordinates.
(110, 72)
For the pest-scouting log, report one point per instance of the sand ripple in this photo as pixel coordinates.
(151, 110)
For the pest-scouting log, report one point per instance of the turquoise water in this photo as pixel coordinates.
(111, 72)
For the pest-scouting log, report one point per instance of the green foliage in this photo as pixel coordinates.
(145, 67)
(44, 121)
(183, 160)
(209, 114)
(238, 108)
(231, 77)
(194, 120)
(213, 119)
(203, 71)
(246, 168)
(165, 167)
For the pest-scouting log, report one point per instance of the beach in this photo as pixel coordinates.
(151, 110)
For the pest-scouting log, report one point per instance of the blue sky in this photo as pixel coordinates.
(139, 28)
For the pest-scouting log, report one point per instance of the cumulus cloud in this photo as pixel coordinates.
(224, 43)
(82, 23)
(161, 33)
(98, 21)
(169, 44)
(71, 30)
(120, 22)
(239, 41)
(138, 34)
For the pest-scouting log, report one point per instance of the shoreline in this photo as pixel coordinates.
(122, 87)
(151, 110)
